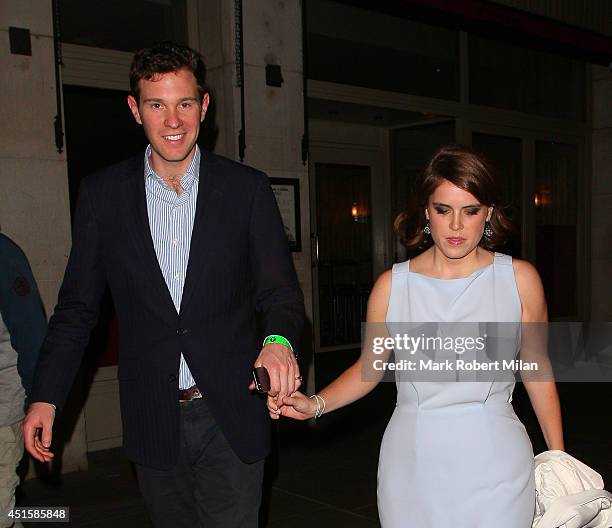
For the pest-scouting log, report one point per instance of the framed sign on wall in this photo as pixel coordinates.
(287, 193)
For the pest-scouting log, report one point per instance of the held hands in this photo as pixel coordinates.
(38, 430)
(297, 406)
(282, 368)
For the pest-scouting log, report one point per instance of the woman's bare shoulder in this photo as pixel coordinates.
(379, 298)
(531, 290)
(525, 272)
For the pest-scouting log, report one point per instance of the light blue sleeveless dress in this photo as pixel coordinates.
(454, 454)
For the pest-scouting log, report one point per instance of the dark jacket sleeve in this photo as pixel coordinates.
(22, 309)
(77, 309)
(277, 293)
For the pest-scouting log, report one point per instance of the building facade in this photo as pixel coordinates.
(341, 103)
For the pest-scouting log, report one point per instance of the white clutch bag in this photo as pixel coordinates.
(569, 494)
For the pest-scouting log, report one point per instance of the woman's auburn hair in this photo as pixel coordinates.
(468, 170)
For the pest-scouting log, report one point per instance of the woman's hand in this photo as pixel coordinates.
(297, 406)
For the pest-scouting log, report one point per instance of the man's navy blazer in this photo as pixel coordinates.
(239, 264)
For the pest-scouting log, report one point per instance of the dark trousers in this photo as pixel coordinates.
(210, 486)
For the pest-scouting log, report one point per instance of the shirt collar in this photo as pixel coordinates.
(191, 174)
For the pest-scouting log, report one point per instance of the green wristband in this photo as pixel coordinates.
(277, 339)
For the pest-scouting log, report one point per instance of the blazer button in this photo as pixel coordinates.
(182, 331)
(172, 378)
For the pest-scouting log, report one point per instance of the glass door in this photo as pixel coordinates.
(350, 237)
(557, 225)
(343, 251)
(542, 188)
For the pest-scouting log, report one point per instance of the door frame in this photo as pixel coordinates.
(361, 145)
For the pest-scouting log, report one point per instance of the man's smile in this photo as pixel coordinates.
(176, 137)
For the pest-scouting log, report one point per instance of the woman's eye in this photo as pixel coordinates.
(441, 210)
(473, 212)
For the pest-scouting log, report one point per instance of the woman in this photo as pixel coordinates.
(454, 454)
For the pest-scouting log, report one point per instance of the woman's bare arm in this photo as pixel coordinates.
(542, 392)
(350, 385)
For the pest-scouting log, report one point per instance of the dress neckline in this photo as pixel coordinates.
(475, 272)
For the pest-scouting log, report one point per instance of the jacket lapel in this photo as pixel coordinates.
(209, 206)
(136, 211)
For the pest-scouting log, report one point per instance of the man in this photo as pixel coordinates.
(22, 329)
(192, 246)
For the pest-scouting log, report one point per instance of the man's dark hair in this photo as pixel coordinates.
(166, 57)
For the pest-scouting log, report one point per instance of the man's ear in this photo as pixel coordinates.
(205, 103)
(134, 108)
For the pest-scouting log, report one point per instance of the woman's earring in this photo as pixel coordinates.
(427, 229)
(488, 231)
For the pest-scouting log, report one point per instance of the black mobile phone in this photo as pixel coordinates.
(261, 378)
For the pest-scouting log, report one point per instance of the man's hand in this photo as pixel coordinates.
(38, 430)
(283, 369)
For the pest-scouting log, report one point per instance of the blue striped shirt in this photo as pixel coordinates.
(171, 218)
